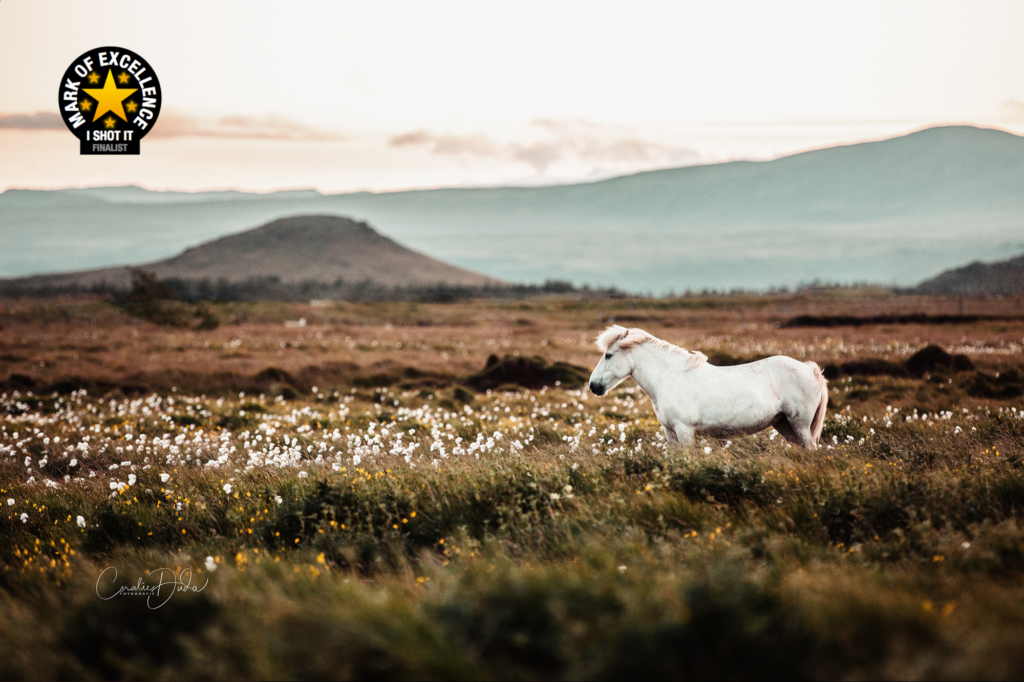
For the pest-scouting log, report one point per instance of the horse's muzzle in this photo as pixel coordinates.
(596, 389)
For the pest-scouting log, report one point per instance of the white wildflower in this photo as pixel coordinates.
(24, 517)
(227, 488)
(81, 521)
(164, 478)
(131, 479)
(211, 565)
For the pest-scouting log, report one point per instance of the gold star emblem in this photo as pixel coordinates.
(109, 121)
(94, 77)
(109, 98)
(131, 106)
(85, 105)
(123, 78)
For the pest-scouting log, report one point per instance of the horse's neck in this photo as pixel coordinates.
(651, 367)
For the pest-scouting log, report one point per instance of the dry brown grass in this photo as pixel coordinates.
(893, 551)
(92, 342)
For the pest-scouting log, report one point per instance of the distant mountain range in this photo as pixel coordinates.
(301, 250)
(1005, 278)
(891, 212)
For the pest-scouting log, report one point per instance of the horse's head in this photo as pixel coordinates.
(615, 364)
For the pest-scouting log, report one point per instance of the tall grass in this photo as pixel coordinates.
(577, 545)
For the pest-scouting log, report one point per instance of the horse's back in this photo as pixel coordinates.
(783, 373)
(774, 364)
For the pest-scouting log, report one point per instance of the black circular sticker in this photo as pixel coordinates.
(109, 98)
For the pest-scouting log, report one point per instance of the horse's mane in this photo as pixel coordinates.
(631, 338)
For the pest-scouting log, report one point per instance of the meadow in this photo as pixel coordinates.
(411, 490)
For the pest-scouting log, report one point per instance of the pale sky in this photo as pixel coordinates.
(389, 95)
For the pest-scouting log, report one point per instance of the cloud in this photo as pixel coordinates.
(449, 145)
(1013, 109)
(541, 145)
(540, 155)
(41, 120)
(410, 139)
(601, 144)
(610, 143)
(178, 124)
(550, 141)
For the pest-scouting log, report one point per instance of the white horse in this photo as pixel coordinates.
(690, 395)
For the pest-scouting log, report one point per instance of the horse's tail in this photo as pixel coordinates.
(819, 416)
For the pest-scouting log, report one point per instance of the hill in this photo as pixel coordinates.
(893, 212)
(1003, 278)
(299, 250)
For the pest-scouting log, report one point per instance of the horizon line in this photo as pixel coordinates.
(588, 181)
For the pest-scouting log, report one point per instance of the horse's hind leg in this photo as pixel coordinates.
(797, 434)
(679, 435)
(782, 425)
(802, 433)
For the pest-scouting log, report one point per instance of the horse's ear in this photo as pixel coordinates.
(610, 336)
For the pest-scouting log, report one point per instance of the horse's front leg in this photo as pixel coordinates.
(670, 436)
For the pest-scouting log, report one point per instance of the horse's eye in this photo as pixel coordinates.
(607, 356)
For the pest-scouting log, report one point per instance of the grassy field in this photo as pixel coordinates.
(322, 495)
